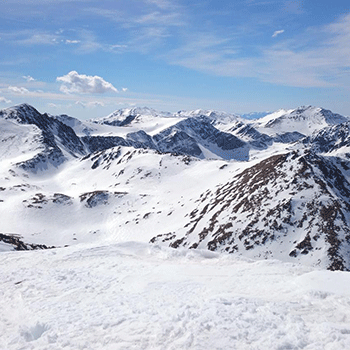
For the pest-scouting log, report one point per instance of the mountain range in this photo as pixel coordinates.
(273, 187)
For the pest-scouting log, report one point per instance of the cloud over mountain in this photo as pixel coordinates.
(18, 90)
(4, 100)
(73, 82)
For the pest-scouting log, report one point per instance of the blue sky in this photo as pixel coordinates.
(89, 58)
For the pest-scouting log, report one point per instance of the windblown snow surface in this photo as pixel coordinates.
(136, 296)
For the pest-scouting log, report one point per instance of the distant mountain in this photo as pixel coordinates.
(330, 139)
(193, 136)
(304, 120)
(254, 115)
(215, 116)
(254, 136)
(198, 134)
(79, 127)
(123, 117)
(285, 126)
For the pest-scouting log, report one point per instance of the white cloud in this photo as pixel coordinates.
(28, 78)
(317, 57)
(87, 84)
(158, 18)
(124, 89)
(277, 32)
(4, 100)
(90, 104)
(18, 90)
(89, 43)
(148, 24)
(72, 41)
(39, 39)
(320, 59)
(52, 105)
(118, 46)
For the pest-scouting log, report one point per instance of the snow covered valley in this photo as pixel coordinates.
(193, 230)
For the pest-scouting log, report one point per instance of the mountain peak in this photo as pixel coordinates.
(23, 113)
(304, 119)
(215, 116)
(21, 108)
(124, 116)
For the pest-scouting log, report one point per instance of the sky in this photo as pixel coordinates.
(87, 58)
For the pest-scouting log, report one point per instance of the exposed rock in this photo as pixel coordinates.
(294, 204)
(17, 244)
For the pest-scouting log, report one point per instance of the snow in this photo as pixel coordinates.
(146, 119)
(218, 117)
(136, 296)
(18, 143)
(305, 120)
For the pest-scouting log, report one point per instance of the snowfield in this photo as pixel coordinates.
(136, 296)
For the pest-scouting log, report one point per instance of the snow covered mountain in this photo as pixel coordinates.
(47, 140)
(186, 133)
(217, 118)
(254, 115)
(123, 117)
(334, 139)
(284, 126)
(304, 120)
(79, 127)
(294, 204)
(199, 179)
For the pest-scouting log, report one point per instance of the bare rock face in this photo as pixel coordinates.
(96, 198)
(15, 242)
(92, 199)
(293, 206)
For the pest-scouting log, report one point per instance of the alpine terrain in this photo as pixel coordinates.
(215, 229)
(275, 187)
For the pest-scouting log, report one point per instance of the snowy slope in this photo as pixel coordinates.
(199, 135)
(19, 143)
(135, 119)
(304, 120)
(291, 207)
(217, 118)
(116, 194)
(333, 139)
(135, 296)
(79, 127)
